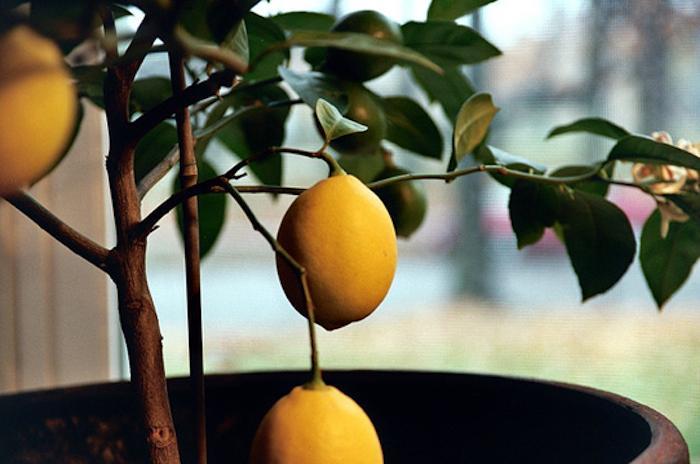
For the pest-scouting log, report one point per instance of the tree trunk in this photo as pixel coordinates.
(137, 313)
(127, 267)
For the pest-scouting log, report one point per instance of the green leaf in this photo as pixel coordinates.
(448, 44)
(247, 133)
(357, 42)
(333, 123)
(212, 212)
(237, 41)
(149, 92)
(667, 263)
(304, 21)
(222, 16)
(471, 126)
(410, 127)
(449, 10)
(645, 150)
(593, 185)
(310, 86)
(597, 126)
(235, 138)
(599, 241)
(364, 167)
(68, 22)
(264, 33)
(450, 90)
(90, 83)
(119, 11)
(153, 148)
(532, 208)
(689, 203)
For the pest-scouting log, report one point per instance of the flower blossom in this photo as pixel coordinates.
(664, 179)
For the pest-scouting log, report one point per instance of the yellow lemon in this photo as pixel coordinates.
(316, 426)
(340, 231)
(38, 106)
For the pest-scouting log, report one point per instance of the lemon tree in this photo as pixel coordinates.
(229, 84)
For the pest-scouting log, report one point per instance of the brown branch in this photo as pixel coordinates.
(71, 238)
(158, 172)
(298, 269)
(188, 178)
(193, 94)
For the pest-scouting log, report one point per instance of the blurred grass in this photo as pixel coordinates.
(653, 358)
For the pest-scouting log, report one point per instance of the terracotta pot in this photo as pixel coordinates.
(420, 417)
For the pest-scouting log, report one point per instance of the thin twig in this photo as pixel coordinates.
(71, 238)
(158, 172)
(110, 42)
(298, 269)
(188, 178)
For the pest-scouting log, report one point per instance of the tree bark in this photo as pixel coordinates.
(127, 268)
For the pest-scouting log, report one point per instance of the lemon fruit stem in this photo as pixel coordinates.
(316, 377)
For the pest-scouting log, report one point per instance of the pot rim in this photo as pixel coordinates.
(667, 445)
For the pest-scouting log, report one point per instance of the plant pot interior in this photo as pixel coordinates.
(420, 418)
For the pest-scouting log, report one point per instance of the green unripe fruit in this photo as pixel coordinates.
(361, 66)
(406, 201)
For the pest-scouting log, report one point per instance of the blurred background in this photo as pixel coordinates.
(464, 298)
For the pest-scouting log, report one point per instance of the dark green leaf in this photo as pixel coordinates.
(593, 185)
(119, 11)
(449, 10)
(254, 130)
(667, 262)
(362, 43)
(642, 149)
(193, 17)
(223, 16)
(364, 167)
(597, 126)
(268, 171)
(448, 44)
(689, 203)
(153, 148)
(263, 33)
(450, 90)
(334, 124)
(149, 92)
(310, 86)
(212, 212)
(304, 21)
(90, 83)
(532, 207)
(410, 127)
(599, 241)
(68, 22)
(471, 126)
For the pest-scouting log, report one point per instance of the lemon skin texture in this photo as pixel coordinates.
(38, 107)
(406, 201)
(342, 234)
(316, 426)
(357, 66)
